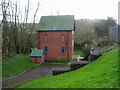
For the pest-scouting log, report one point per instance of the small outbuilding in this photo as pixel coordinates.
(37, 56)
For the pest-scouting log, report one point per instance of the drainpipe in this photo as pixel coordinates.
(67, 45)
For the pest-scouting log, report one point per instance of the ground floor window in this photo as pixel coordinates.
(46, 49)
(62, 50)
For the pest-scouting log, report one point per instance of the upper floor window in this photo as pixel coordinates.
(62, 38)
(46, 38)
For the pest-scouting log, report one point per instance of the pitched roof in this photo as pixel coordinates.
(36, 53)
(62, 22)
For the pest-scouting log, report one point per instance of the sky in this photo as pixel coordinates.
(81, 9)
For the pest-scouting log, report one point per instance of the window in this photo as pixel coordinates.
(46, 38)
(62, 50)
(62, 38)
(46, 49)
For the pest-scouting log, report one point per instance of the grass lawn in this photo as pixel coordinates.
(14, 65)
(101, 73)
(78, 52)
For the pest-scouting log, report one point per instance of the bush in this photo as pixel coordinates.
(103, 41)
(86, 52)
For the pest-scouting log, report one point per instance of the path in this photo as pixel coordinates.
(39, 71)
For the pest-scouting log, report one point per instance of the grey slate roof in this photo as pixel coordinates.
(62, 22)
(36, 53)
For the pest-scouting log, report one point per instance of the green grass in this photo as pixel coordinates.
(14, 65)
(101, 73)
(78, 52)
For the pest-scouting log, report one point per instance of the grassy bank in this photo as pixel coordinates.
(14, 65)
(101, 73)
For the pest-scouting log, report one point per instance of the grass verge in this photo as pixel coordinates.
(14, 65)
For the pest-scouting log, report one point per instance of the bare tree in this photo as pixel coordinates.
(5, 25)
(17, 35)
(29, 37)
(84, 31)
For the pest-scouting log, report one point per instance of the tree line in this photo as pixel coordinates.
(89, 30)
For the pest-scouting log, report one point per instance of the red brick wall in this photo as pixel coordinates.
(55, 43)
(36, 59)
(33, 59)
(39, 59)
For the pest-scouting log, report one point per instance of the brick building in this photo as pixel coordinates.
(56, 37)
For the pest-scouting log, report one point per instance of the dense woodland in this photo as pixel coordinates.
(19, 36)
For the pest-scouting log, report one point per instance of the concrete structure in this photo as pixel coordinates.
(114, 32)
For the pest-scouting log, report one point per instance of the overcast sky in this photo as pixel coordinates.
(90, 9)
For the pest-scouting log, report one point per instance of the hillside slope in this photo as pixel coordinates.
(101, 73)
